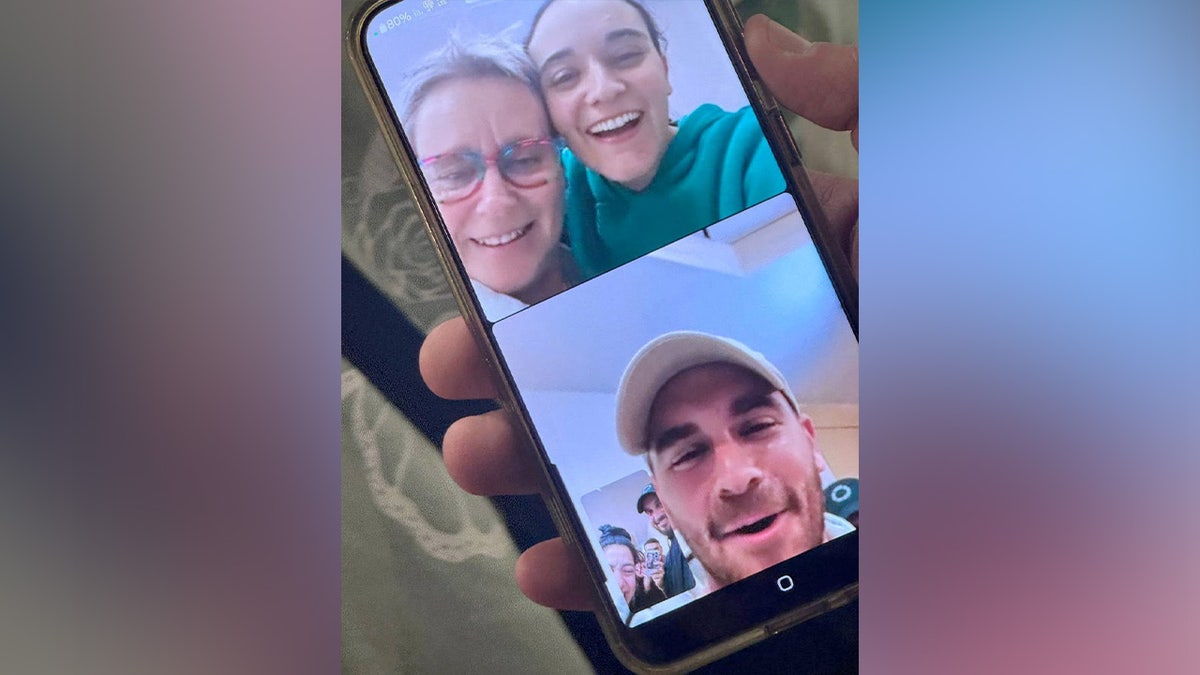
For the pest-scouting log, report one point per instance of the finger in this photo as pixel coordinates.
(487, 455)
(452, 365)
(816, 80)
(839, 199)
(551, 574)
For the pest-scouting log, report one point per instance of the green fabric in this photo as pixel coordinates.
(427, 570)
(718, 164)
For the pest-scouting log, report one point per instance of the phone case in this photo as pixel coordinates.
(558, 502)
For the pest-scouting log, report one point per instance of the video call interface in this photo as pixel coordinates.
(653, 290)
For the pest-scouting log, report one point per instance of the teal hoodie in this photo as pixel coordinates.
(718, 164)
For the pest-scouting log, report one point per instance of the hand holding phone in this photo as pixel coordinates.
(654, 567)
(486, 454)
(477, 128)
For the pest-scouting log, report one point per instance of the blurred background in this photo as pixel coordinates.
(173, 250)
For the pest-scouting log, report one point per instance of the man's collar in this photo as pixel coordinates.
(835, 526)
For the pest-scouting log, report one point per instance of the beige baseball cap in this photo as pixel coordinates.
(665, 357)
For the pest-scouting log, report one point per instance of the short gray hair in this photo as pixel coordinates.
(490, 56)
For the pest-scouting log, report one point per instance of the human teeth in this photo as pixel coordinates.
(502, 239)
(614, 123)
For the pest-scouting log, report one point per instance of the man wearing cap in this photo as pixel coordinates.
(733, 460)
(675, 576)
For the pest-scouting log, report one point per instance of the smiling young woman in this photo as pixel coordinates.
(636, 180)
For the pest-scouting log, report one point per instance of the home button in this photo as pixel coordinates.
(785, 583)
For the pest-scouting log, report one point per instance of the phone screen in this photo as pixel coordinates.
(668, 325)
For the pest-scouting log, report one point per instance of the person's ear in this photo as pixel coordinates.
(807, 424)
(822, 465)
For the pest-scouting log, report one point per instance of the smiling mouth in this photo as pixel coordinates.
(752, 528)
(503, 239)
(615, 125)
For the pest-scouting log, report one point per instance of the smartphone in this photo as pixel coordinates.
(628, 228)
(652, 560)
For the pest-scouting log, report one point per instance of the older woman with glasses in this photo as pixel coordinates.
(475, 118)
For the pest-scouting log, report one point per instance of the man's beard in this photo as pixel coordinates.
(769, 498)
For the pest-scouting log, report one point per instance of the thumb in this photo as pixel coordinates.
(816, 80)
